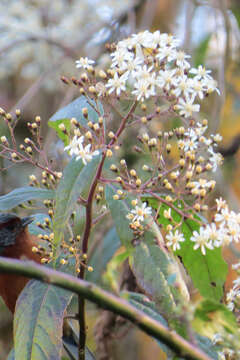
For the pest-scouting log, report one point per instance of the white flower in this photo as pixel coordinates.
(217, 138)
(120, 57)
(141, 212)
(197, 87)
(73, 147)
(156, 39)
(216, 159)
(84, 63)
(143, 89)
(144, 73)
(186, 107)
(223, 217)
(233, 230)
(76, 148)
(213, 234)
(174, 238)
(211, 85)
(201, 240)
(236, 266)
(181, 60)
(182, 86)
(117, 83)
(201, 73)
(132, 67)
(169, 40)
(191, 143)
(143, 38)
(166, 53)
(86, 154)
(221, 204)
(165, 78)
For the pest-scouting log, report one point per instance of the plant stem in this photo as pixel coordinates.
(86, 235)
(87, 232)
(107, 301)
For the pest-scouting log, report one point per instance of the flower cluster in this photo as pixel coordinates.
(224, 230)
(195, 141)
(229, 344)
(152, 65)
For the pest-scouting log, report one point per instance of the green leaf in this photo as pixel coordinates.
(23, 194)
(201, 51)
(38, 321)
(74, 109)
(119, 209)
(55, 125)
(158, 275)
(36, 230)
(212, 317)
(104, 252)
(75, 182)
(209, 271)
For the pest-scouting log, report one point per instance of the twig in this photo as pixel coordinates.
(107, 301)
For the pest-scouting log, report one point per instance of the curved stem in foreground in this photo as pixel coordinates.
(107, 301)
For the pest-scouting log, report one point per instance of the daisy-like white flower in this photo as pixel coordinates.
(132, 67)
(174, 239)
(221, 204)
(201, 73)
(182, 86)
(165, 78)
(73, 147)
(214, 235)
(197, 87)
(223, 217)
(143, 38)
(186, 107)
(236, 266)
(84, 63)
(117, 83)
(211, 85)
(217, 137)
(169, 40)
(201, 240)
(216, 159)
(233, 230)
(77, 148)
(166, 53)
(181, 60)
(121, 57)
(144, 72)
(85, 153)
(143, 89)
(191, 143)
(141, 212)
